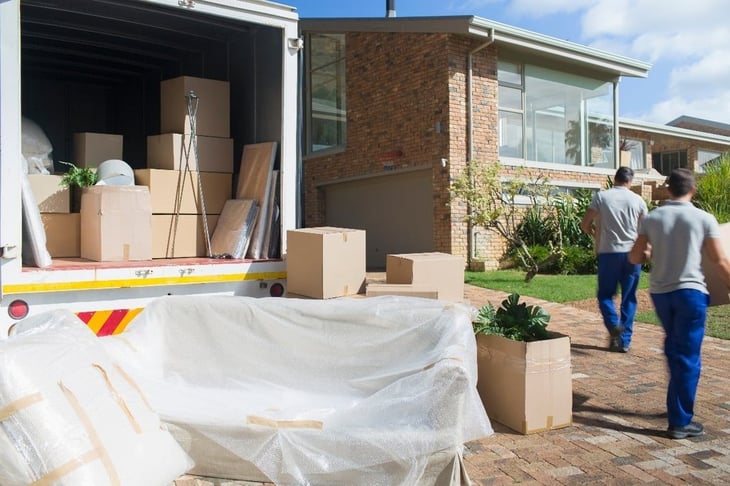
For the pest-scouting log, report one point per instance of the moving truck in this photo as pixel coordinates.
(97, 66)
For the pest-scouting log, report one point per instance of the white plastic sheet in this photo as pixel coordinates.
(69, 416)
(344, 391)
(36, 148)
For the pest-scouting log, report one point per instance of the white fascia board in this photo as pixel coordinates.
(570, 51)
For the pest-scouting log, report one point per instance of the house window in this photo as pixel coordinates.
(704, 156)
(665, 162)
(636, 153)
(325, 111)
(555, 117)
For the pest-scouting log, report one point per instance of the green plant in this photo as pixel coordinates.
(513, 320)
(78, 176)
(713, 188)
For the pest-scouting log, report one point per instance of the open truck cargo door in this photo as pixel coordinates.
(96, 66)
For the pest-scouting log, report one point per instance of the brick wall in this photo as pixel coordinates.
(406, 107)
(397, 116)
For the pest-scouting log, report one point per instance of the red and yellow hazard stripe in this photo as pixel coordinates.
(108, 322)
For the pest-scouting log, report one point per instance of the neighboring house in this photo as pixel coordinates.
(395, 107)
(685, 142)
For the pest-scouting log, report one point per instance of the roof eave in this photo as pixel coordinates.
(479, 27)
(673, 131)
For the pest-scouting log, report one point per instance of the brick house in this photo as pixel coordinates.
(395, 107)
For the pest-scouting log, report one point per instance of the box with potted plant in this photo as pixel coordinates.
(524, 370)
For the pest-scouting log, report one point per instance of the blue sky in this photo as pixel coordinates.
(687, 43)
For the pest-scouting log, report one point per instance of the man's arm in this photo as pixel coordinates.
(714, 251)
(641, 250)
(586, 223)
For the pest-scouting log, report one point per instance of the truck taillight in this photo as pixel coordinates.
(276, 290)
(18, 309)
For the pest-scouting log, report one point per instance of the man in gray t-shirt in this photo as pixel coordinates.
(674, 236)
(613, 217)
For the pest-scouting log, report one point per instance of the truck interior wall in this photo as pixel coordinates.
(256, 72)
(75, 81)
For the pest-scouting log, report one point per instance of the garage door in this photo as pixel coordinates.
(396, 210)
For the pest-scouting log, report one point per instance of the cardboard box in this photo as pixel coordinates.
(186, 239)
(407, 290)
(63, 234)
(116, 223)
(91, 149)
(165, 185)
(526, 386)
(325, 262)
(440, 271)
(171, 150)
(212, 118)
(719, 294)
(50, 195)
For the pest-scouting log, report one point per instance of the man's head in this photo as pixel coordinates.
(624, 176)
(681, 182)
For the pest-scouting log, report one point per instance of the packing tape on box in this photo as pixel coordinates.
(284, 424)
(520, 363)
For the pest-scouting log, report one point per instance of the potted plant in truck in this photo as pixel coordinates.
(76, 179)
(524, 370)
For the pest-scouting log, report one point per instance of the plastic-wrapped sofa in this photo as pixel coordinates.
(346, 391)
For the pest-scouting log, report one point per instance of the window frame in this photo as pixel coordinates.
(340, 114)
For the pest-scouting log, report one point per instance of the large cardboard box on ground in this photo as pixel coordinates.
(50, 195)
(91, 149)
(407, 290)
(165, 185)
(212, 118)
(63, 234)
(439, 271)
(526, 386)
(325, 262)
(718, 291)
(171, 150)
(186, 238)
(116, 223)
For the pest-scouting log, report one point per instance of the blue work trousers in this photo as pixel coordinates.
(614, 270)
(682, 313)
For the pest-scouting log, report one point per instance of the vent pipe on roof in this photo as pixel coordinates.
(390, 8)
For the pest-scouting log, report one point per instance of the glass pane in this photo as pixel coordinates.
(327, 110)
(508, 72)
(704, 156)
(569, 118)
(510, 98)
(510, 134)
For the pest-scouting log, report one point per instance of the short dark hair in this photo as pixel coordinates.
(624, 175)
(681, 181)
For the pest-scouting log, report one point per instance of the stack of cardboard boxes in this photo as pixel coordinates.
(328, 262)
(174, 173)
(55, 202)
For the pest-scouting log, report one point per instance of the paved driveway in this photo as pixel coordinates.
(619, 417)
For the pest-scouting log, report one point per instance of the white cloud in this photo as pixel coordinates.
(687, 39)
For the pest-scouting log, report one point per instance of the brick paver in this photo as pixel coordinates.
(619, 418)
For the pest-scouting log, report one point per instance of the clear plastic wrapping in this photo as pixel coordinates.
(346, 391)
(69, 416)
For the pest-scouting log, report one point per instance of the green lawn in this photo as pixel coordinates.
(569, 288)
